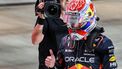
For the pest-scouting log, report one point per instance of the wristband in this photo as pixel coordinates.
(40, 21)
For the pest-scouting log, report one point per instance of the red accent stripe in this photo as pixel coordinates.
(92, 7)
(81, 32)
(100, 66)
(70, 31)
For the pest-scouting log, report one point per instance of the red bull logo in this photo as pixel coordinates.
(79, 66)
(79, 4)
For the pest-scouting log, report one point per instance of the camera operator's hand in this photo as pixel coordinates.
(41, 6)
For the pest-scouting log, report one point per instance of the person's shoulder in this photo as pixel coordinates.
(64, 42)
(106, 40)
(65, 39)
(105, 43)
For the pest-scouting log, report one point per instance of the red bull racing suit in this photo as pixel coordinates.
(75, 55)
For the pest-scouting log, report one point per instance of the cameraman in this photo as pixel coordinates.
(48, 33)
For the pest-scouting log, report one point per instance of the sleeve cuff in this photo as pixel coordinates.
(40, 21)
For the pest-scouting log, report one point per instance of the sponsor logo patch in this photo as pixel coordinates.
(113, 58)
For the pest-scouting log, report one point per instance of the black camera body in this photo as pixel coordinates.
(52, 9)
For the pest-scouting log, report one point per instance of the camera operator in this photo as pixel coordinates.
(48, 32)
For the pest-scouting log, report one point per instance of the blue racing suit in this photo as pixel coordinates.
(75, 55)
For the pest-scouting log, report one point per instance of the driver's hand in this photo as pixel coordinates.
(50, 60)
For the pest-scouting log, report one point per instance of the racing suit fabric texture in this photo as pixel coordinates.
(78, 57)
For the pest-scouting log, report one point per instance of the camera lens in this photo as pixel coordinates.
(52, 9)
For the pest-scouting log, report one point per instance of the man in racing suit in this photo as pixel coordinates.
(85, 47)
(78, 56)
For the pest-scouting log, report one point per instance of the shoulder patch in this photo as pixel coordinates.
(112, 59)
